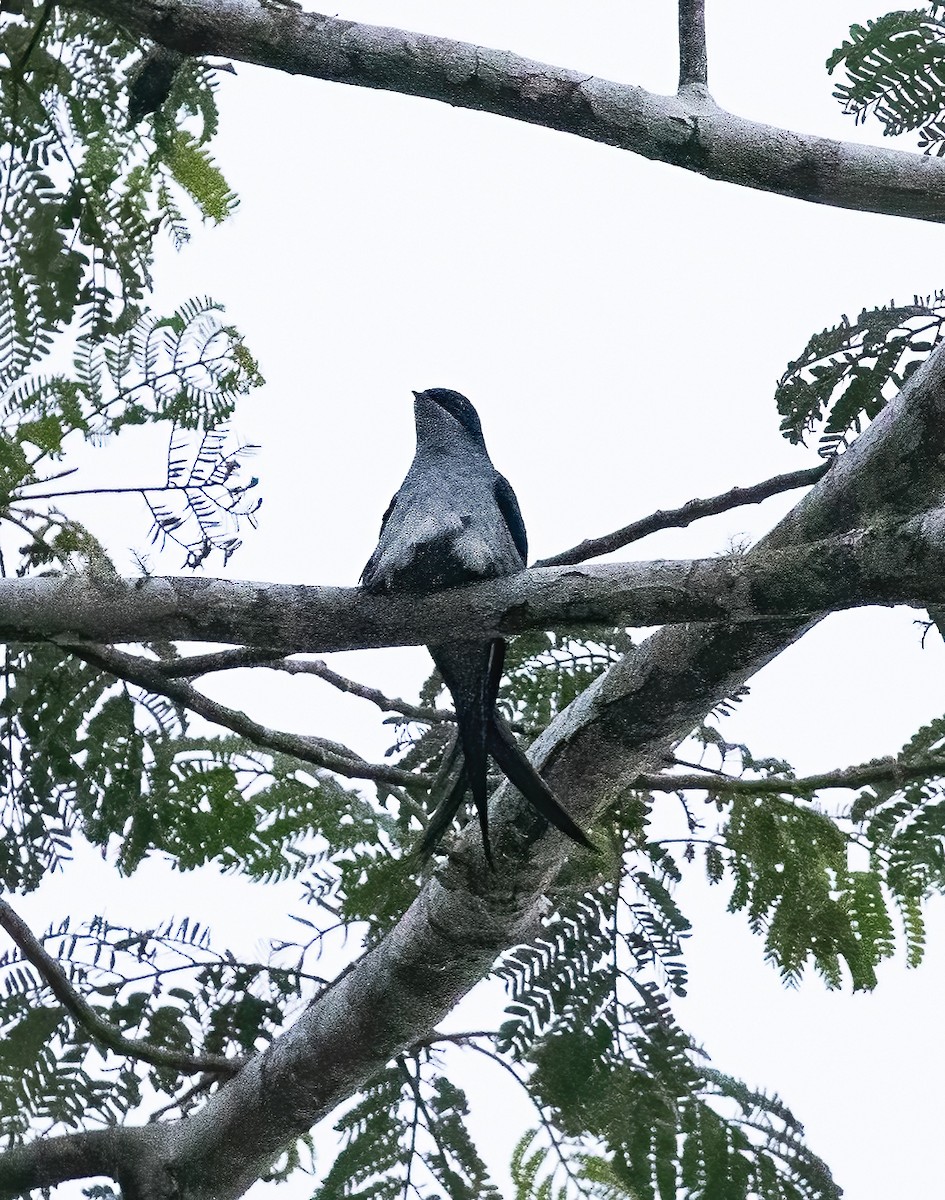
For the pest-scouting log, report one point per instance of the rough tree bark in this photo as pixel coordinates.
(687, 130)
(884, 563)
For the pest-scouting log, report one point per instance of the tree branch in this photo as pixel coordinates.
(679, 518)
(880, 770)
(85, 1015)
(687, 130)
(226, 660)
(319, 751)
(885, 564)
(321, 670)
(51, 1160)
(693, 59)
(465, 915)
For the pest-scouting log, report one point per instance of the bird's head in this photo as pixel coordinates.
(445, 418)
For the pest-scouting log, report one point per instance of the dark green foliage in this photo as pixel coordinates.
(167, 986)
(187, 370)
(831, 889)
(407, 1134)
(895, 70)
(903, 827)
(82, 751)
(610, 1065)
(789, 864)
(847, 372)
(85, 192)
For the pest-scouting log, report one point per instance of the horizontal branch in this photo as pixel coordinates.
(50, 1160)
(904, 565)
(880, 770)
(687, 130)
(680, 518)
(102, 1031)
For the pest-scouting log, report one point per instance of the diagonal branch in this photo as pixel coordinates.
(249, 656)
(687, 130)
(680, 518)
(319, 751)
(693, 59)
(85, 1015)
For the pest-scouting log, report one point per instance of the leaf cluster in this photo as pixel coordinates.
(187, 370)
(407, 1134)
(629, 1105)
(847, 372)
(79, 750)
(835, 890)
(85, 191)
(895, 71)
(167, 987)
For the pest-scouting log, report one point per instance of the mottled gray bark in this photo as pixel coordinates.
(878, 564)
(687, 130)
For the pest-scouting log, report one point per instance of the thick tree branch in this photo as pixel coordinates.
(882, 564)
(85, 1015)
(680, 518)
(693, 59)
(881, 770)
(48, 1161)
(686, 130)
(319, 751)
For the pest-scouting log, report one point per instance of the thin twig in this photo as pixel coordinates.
(693, 59)
(321, 669)
(97, 491)
(195, 665)
(319, 751)
(679, 518)
(200, 1086)
(101, 1030)
(275, 660)
(884, 770)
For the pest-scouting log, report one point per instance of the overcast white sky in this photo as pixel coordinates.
(620, 326)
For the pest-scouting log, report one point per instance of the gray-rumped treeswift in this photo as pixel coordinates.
(455, 519)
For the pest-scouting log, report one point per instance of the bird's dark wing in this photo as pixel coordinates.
(512, 514)
(369, 565)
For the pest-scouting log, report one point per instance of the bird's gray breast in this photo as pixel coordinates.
(444, 529)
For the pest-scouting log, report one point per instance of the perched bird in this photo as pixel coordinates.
(455, 519)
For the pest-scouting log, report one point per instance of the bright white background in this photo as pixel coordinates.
(620, 325)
